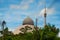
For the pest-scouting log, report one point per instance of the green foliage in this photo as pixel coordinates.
(49, 32)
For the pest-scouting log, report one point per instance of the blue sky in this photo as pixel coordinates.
(15, 11)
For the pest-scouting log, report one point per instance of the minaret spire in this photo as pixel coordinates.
(45, 15)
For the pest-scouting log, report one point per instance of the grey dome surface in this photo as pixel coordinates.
(28, 21)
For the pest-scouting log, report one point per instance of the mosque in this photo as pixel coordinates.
(27, 25)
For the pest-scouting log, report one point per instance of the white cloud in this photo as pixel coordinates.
(31, 1)
(24, 5)
(48, 11)
(27, 1)
(14, 7)
(41, 2)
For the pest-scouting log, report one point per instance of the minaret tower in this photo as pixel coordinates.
(45, 15)
(36, 24)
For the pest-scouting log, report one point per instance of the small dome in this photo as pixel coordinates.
(28, 21)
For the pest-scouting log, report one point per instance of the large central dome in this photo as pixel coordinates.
(28, 21)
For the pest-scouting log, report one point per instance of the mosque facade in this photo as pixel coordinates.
(27, 26)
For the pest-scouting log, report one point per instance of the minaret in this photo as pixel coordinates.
(36, 23)
(45, 15)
